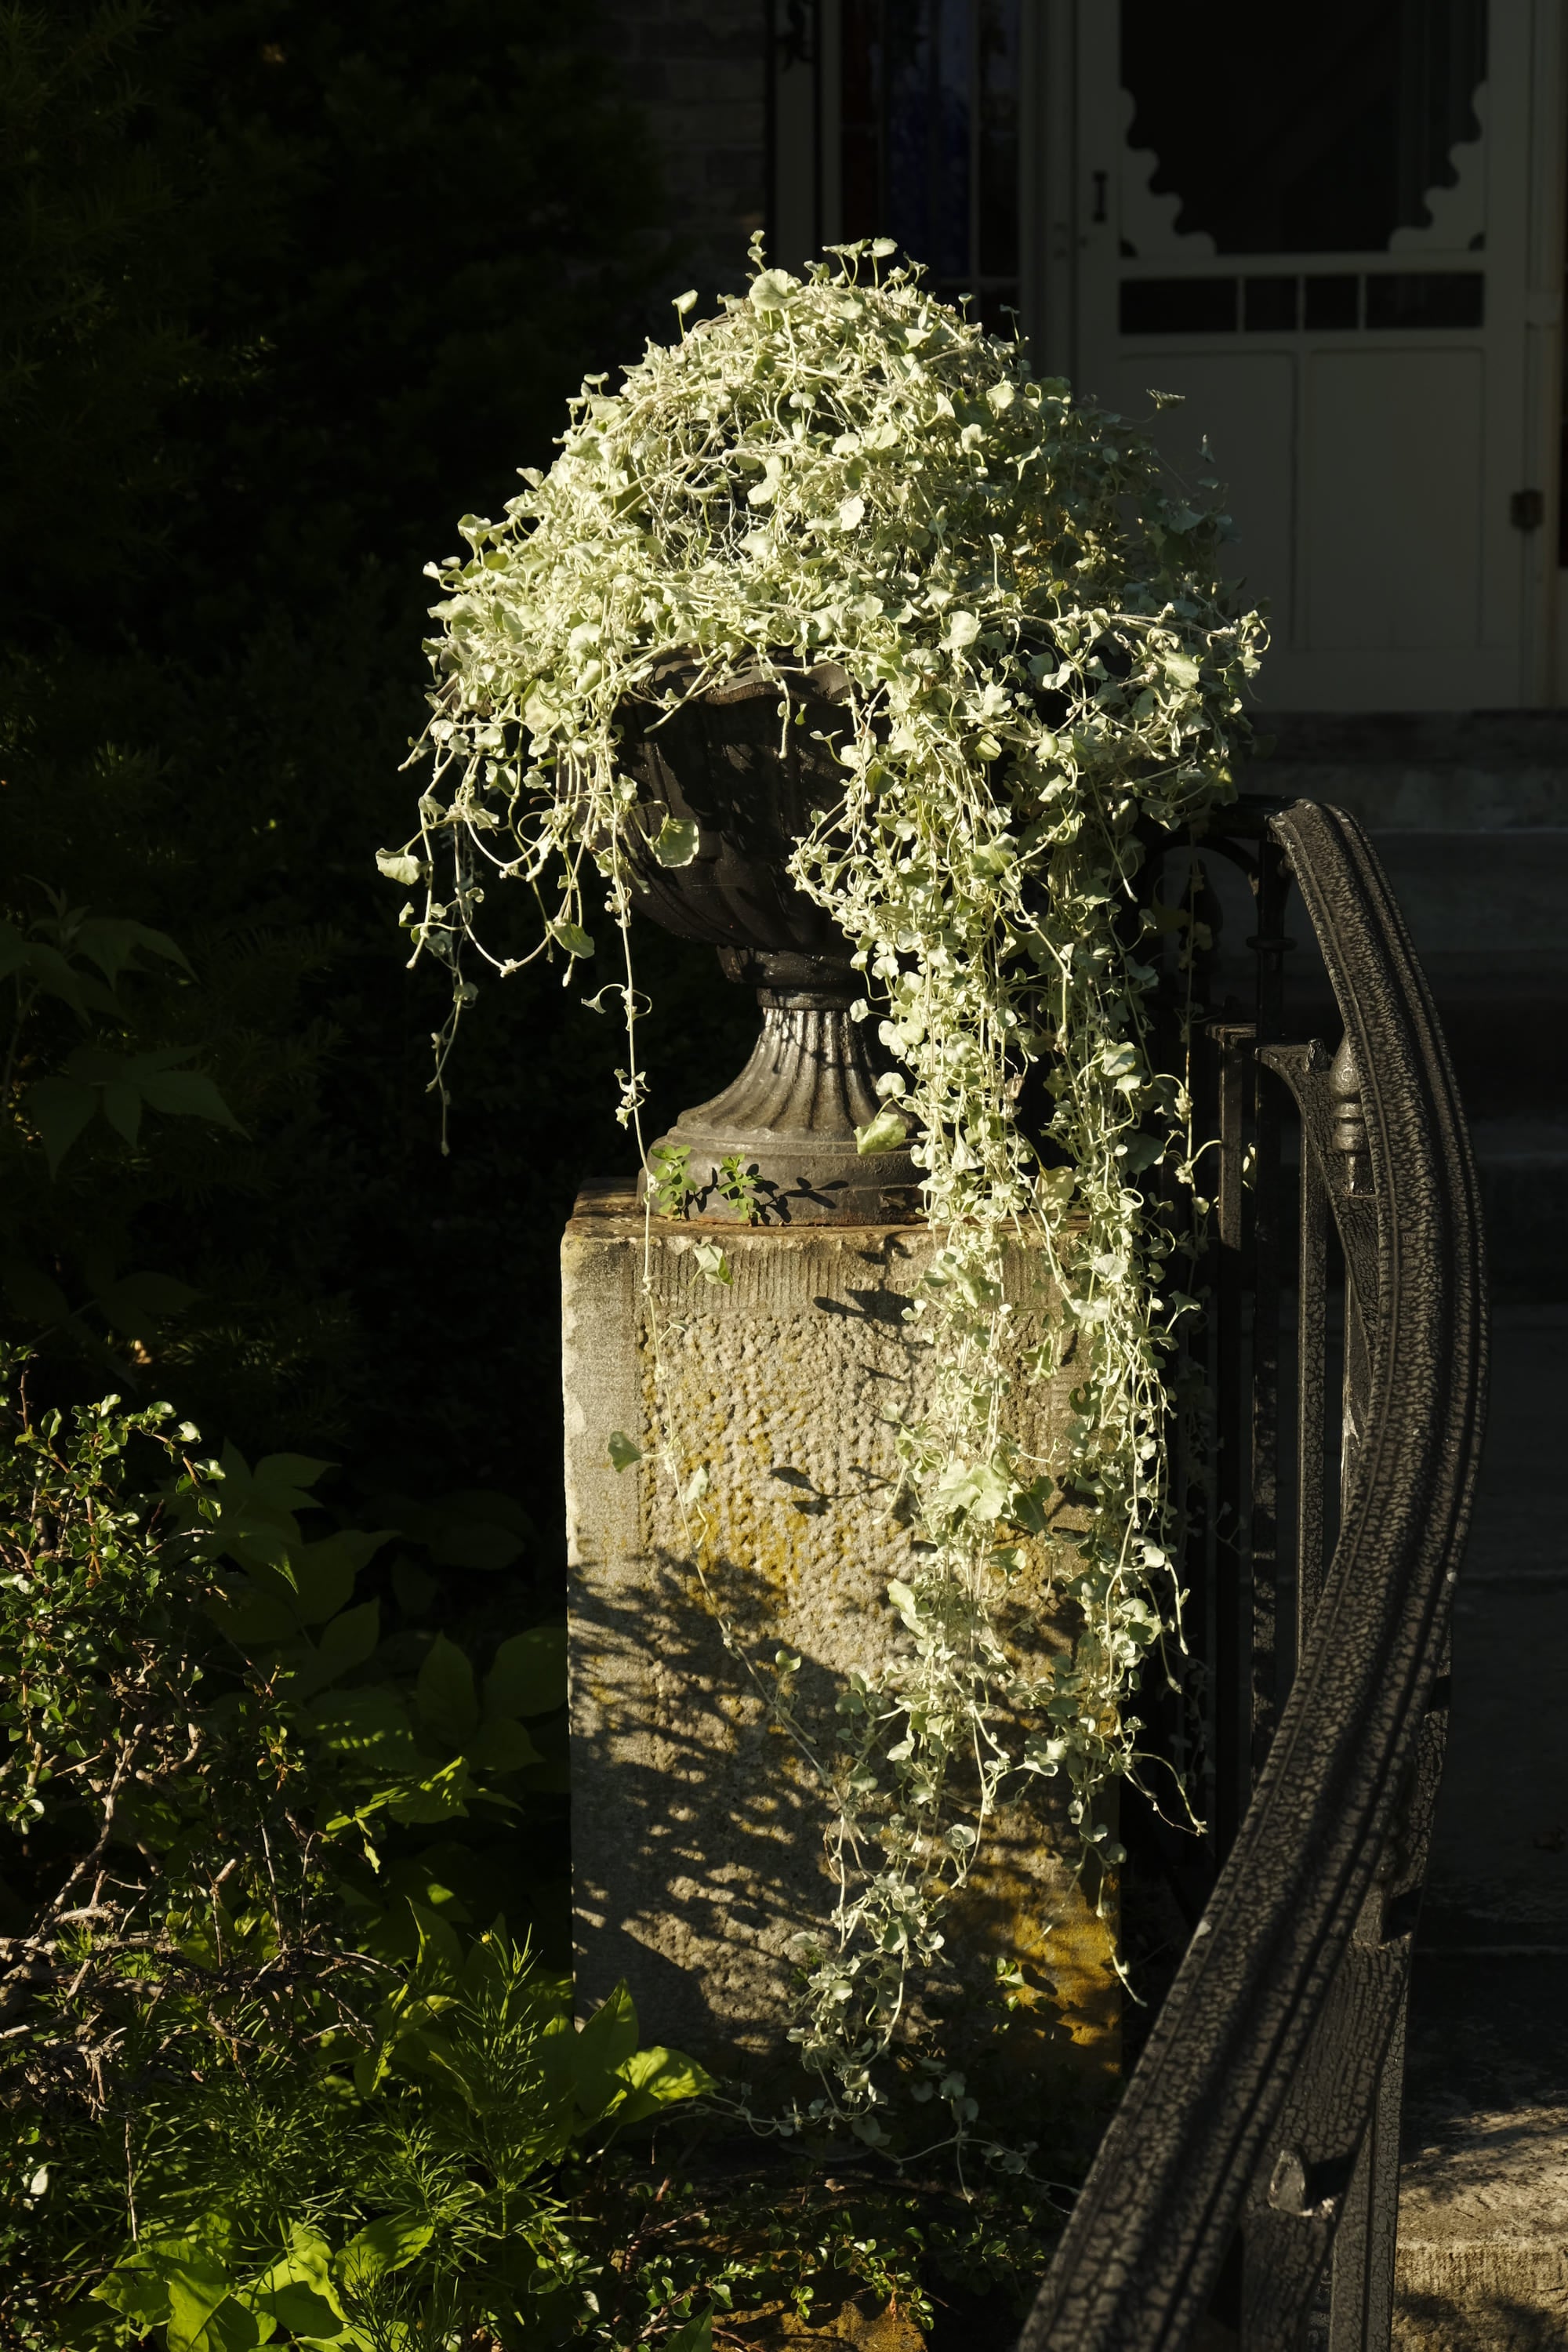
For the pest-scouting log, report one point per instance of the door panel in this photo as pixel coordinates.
(1317, 226)
(1393, 475)
(1245, 405)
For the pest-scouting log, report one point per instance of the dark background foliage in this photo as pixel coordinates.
(285, 290)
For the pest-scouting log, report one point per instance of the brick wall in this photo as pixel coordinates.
(698, 67)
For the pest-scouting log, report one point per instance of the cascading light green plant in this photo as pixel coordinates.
(1044, 671)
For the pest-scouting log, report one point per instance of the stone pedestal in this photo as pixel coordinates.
(698, 1828)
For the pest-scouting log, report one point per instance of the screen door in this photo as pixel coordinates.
(1335, 233)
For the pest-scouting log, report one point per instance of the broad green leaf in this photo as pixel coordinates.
(571, 936)
(439, 1959)
(255, 1522)
(443, 1693)
(203, 2315)
(188, 1094)
(771, 289)
(389, 2245)
(696, 2335)
(112, 942)
(283, 1477)
(137, 2289)
(529, 1675)
(886, 1132)
(346, 1641)
(301, 2311)
(117, 1085)
(1139, 1152)
(139, 1304)
(51, 971)
(59, 1108)
(399, 867)
(712, 1264)
(501, 1744)
(994, 857)
(598, 2052)
(414, 1589)
(325, 1572)
(676, 841)
(973, 1488)
(411, 1886)
(368, 1731)
(121, 1104)
(256, 1611)
(659, 2078)
(438, 1797)
(623, 1453)
(431, 2056)
(100, 1067)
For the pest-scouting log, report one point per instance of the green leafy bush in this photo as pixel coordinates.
(253, 2026)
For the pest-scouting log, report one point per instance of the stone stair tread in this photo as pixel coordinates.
(1482, 2260)
(1497, 2174)
(1501, 1140)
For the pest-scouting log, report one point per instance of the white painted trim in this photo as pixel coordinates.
(1545, 679)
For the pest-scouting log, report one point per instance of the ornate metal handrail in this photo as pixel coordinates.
(1257, 2137)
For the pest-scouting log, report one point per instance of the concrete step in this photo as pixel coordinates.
(1482, 2258)
(1470, 815)
(1523, 1168)
(1483, 2222)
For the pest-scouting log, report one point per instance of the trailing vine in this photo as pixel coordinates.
(1043, 673)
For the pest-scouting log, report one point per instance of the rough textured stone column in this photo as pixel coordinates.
(699, 1829)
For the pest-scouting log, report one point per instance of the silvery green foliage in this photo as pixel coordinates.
(1044, 669)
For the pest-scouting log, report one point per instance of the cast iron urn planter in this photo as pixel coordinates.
(728, 762)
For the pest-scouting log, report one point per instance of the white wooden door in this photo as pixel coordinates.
(1349, 265)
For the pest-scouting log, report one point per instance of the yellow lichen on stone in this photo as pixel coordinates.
(699, 1827)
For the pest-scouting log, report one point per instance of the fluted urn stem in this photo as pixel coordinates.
(788, 1122)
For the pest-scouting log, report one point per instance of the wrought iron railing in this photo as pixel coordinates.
(1245, 2192)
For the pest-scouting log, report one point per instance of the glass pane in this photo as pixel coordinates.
(929, 139)
(1331, 302)
(1435, 299)
(907, 46)
(1269, 303)
(928, 49)
(1178, 306)
(860, 123)
(1303, 130)
(998, 158)
(949, 250)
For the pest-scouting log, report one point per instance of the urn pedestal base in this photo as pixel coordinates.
(788, 1123)
(701, 1835)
